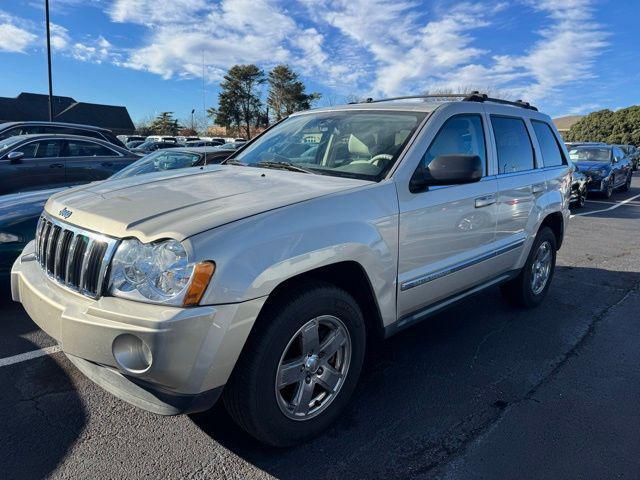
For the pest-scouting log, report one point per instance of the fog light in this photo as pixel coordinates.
(131, 353)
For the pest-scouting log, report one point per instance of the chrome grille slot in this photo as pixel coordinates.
(73, 257)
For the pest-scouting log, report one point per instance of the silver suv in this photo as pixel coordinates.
(261, 281)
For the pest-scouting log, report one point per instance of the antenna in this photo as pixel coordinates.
(204, 97)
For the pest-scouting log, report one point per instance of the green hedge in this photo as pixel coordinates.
(621, 126)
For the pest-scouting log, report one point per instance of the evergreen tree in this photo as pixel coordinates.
(287, 93)
(239, 104)
(165, 124)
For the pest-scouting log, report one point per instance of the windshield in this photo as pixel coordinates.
(355, 144)
(590, 154)
(158, 162)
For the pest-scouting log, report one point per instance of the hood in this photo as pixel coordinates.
(180, 203)
(585, 166)
(17, 207)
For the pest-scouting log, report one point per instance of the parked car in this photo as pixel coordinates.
(35, 162)
(232, 145)
(183, 139)
(161, 138)
(579, 187)
(205, 143)
(125, 139)
(152, 145)
(11, 129)
(19, 212)
(606, 165)
(134, 143)
(632, 154)
(261, 280)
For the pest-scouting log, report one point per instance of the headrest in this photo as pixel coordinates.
(357, 146)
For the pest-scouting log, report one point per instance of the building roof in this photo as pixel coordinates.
(34, 106)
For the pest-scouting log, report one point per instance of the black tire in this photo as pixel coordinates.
(250, 395)
(608, 191)
(582, 198)
(519, 291)
(627, 183)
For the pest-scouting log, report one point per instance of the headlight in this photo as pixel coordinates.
(158, 273)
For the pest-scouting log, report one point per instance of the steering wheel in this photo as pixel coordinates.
(377, 159)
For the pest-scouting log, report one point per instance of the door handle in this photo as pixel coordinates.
(537, 188)
(56, 165)
(485, 201)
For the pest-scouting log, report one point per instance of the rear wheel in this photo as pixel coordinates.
(299, 367)
(530, 287)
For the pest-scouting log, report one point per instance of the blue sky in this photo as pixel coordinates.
(566, 56)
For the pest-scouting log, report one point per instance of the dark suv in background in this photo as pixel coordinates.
(12, 129)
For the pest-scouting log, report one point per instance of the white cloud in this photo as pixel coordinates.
(14, 39)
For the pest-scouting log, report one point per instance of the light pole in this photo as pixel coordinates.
(193, 123)
(46, 10)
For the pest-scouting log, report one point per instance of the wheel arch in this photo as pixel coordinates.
(555, 221)
(347, 275)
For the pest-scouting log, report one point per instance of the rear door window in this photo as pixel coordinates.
(551, 154)
(80, 148)
(515, 152)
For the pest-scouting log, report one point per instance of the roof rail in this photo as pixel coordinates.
(483, 97)
(465, 97)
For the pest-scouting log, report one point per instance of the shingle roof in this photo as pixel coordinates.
(34, 106)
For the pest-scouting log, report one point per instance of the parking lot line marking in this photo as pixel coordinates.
(23, 357)
(613, 207)
(602, 201)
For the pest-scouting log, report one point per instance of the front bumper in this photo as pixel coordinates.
(597, 185)
(192, 350)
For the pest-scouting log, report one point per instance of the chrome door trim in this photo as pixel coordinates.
(429, 277)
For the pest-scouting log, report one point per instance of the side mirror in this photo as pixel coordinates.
(447, 170)
(15, 157)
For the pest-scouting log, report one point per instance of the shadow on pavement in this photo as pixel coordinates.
(431, 389)
(41, 414)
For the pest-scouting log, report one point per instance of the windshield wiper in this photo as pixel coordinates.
(283, 166)
(233, 162)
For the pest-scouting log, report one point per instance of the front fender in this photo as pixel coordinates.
(255, 255)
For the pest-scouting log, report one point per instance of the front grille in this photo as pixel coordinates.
(75, 258)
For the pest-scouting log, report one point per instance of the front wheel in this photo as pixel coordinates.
(608, 191)
(299, 367)
(530, 287)
(627, 184)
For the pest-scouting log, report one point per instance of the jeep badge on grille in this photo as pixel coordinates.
(64, 213)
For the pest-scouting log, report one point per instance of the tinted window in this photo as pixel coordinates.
(462, 134)
(551, 154)
(515, 153)
(29, 149)
(48, 148)
(79, 148)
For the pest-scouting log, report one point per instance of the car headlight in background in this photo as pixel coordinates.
(158, 272)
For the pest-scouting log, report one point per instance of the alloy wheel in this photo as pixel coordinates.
(541, 268)
(313, 367)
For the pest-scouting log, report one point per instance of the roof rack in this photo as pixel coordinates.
(465, 97)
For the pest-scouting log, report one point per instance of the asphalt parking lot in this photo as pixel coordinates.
(480, 391)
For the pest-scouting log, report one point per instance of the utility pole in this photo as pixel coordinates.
(46, 10)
